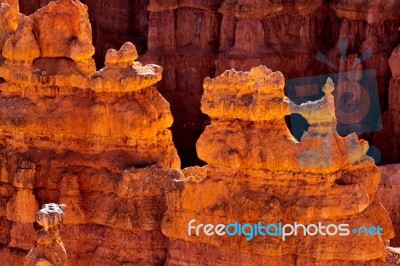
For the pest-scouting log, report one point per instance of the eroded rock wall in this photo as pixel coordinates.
(197, 39)
(97, 141)
(389, 192)
(258, 172)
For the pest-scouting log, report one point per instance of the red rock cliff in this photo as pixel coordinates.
(197, 39)
(99, 141)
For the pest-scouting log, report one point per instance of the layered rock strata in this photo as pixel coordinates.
(198, 39)
(257, 172)
(97, 141)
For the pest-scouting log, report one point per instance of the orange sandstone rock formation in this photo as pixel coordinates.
(196, 39)
(49, 248)
(257, 171)
(97, 141)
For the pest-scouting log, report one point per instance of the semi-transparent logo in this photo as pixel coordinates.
(281, 230)
(356, 96)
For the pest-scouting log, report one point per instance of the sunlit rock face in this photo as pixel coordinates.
(257, 171)
(97, 141)
(197, 39)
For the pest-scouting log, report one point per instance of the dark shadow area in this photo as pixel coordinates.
(185, 136)
(114, 23)
(297, 125)
(189, 158)
(375, 153)
(55, 65)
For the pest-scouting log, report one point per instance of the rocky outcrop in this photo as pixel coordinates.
(389, 193)
(33, 40)
(257, 172)
(49, 248)
(198, 39)
(97, 141)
